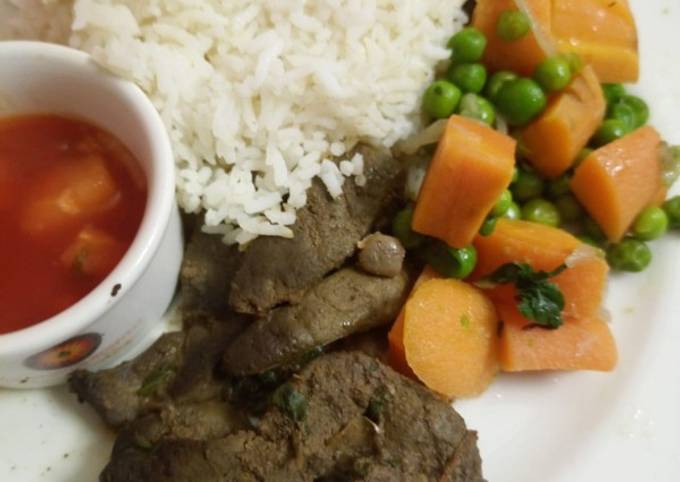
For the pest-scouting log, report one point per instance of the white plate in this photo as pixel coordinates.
(579, 427)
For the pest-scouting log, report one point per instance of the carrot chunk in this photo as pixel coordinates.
(620, 179)
(450, 337)
(71, 191)
(471, 168)
(602, 33)
(545, 248)
(395, 337)
(93, 253)
(554, 139)
(579, 344)
(522, 55)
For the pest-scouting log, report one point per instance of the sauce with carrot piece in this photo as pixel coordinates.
(72, 198)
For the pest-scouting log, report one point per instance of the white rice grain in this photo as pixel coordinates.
(259, 95)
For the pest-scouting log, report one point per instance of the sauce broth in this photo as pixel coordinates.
(72, 198)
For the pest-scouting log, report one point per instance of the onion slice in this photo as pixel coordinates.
(584, 251)
(542, 37)
(430, 135)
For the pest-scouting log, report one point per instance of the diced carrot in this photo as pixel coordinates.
(395, 337)
(545, 248)
(620, 179)
(660, 197)
(72, 191)
(450, 337)
(471, 168)
(602, 32)
(523, 55)
(93, 253)
(397, 355)
(554, 140)
(584, 282)
(579, 344)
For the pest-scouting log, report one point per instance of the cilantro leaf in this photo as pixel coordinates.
(538, 299)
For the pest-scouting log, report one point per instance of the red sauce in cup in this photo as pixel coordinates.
(72, 198)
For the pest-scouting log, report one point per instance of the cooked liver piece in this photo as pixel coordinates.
(113, 393)
(416, 437)
(344, 303)
(275, 271)
(182, 364)
(207, 270)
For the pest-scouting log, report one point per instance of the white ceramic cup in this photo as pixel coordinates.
(123, 314)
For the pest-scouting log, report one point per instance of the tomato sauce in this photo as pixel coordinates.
(72, 198)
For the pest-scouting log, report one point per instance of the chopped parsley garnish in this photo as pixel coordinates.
(377, 405)
(290, 401)
(375, 409)
(538, 299)
(155, 381)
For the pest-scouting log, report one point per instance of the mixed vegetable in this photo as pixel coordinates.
(545, 176)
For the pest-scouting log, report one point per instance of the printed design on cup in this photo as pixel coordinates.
(65, 354)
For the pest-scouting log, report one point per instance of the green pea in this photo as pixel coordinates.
(468, 45)
(651, 223)
(512, 25)
(575, 62)
(558, 187)
(520, 101)
(593, 230)
(624, 113)
(542, 212)
(553, 74)
(401, 228)
(640, 108)
(468, 77)
(489, 226)
(582, 156)
(569, 208)
(441, 99)
(629, 255)
(477, 107)
(503, 204)
(514, 212)
(529, 185)
(613, 92)
(450, 262)
(497, 81)
(610, 131)
(672, 208)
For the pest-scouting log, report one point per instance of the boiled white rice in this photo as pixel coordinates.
(259, 95)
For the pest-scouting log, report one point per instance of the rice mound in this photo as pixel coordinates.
(260, 96)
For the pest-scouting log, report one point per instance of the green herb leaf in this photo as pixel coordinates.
(538, 299)
(155, 381)
(375, 409)
(290, 401)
